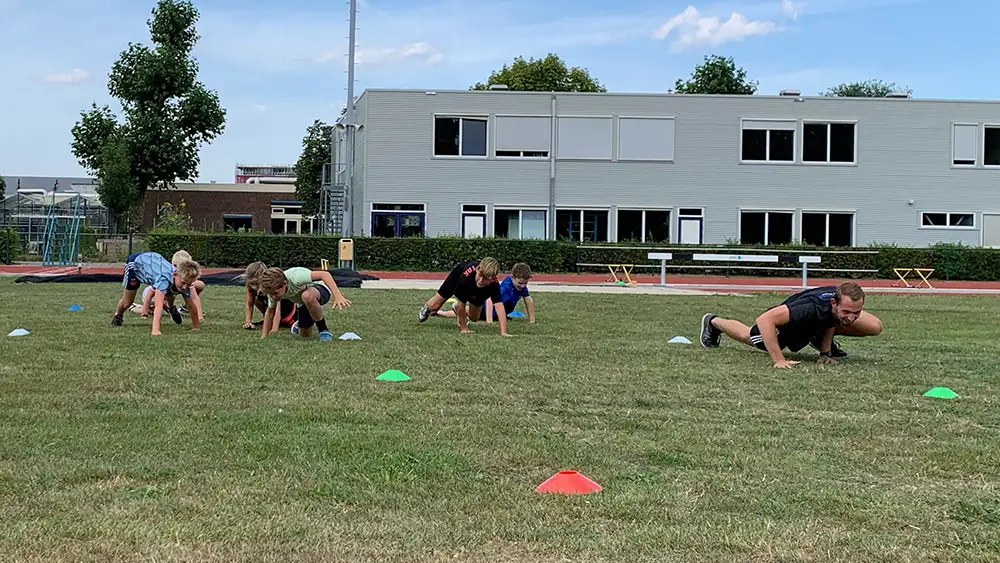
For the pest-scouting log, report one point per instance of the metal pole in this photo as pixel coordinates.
(663, 272)
(346, 225)
(804, 268)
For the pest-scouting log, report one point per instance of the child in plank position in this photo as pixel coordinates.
(512, 289)
(152, 269)
(172, 292)
(307, 288)
(472, 283)
(256, 298)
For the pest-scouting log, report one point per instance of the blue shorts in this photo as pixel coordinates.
(129, 281)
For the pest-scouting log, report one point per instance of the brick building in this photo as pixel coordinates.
(263, 207)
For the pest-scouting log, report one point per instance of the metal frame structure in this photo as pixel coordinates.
(48, 223)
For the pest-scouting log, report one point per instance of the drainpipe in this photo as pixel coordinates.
(552, 174)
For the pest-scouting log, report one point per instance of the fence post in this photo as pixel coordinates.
(805, 268)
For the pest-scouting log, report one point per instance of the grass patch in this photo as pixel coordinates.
(216, 446)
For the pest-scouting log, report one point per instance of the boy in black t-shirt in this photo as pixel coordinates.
(472, 283)
(810, 317)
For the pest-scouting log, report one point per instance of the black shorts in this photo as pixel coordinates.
(757, 340)
(286, 309)
(451, 287)
(286, 312)
(305, 320)
(450, 283)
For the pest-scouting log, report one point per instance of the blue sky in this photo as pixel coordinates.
(279, 65)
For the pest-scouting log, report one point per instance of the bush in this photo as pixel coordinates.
(236, 250)
(88, 244)
(10, 246)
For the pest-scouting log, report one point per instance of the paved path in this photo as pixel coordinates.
(551, 287)
(595, 283)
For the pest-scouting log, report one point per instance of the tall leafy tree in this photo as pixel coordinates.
(3, 186)
(865, 89)
(550, 74)
(717, 75)
(116, 185)
(167, 114)
(316, 147)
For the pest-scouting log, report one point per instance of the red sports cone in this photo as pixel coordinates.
(568, 483)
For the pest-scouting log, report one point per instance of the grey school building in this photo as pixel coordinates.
(677, 168)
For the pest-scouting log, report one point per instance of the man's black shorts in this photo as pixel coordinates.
(757, 340)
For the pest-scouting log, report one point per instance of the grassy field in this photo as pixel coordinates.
(216, 446)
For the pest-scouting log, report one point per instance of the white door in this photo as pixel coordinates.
(474, 226)
(991, 230)
(690, 230)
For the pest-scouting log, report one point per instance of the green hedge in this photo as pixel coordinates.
(10, 246)
(439, 254)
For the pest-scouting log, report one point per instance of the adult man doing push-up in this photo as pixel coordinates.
(811, 317)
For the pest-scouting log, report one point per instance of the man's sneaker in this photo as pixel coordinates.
(325, 336)
(710, 336)
(117, 321)
(835, 350)
(176, 315)
(295, 328)
(423, 314)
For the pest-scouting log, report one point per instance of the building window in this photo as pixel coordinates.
(646, 138)
(649, 225)
(585, 138)
(691, 225)
(766, 227)
(522, 137)
(584, 225)
(991, 145)
(519, 223)
(828, 229)
(396, 220)
(473, 221)
(948, 220)
(767, 141)
(829, 142)
(287, 218)
(460, 136)
(237, 221)
(964, 144)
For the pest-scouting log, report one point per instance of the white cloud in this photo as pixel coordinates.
(260, 108)
(407, 38)
(791, 9)
(695, 30)
(419, 52)
(75, 76)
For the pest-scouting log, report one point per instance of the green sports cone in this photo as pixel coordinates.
(941, 393)
(393, 375)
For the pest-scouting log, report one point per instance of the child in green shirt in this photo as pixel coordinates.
(309, 288)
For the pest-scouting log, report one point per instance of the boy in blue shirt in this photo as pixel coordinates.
(512, 289)
(157, 272)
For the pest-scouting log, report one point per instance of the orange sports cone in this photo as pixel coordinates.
(568, 483)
